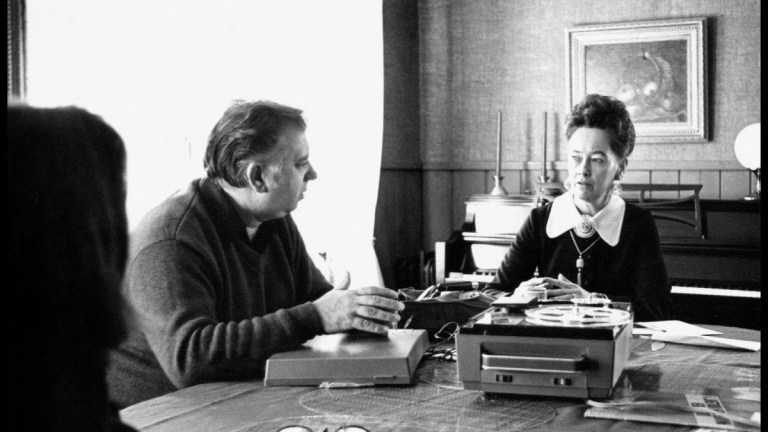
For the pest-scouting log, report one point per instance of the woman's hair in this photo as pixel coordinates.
(248, 132)
(609, 114)
(68, 247)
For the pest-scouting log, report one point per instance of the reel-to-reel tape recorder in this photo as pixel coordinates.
(575, 349)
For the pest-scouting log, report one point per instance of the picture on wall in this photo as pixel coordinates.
(657, 68)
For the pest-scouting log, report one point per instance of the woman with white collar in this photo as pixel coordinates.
(589, 240)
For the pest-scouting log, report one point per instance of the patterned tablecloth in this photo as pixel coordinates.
(438, 402)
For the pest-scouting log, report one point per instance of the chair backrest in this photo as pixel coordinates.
(676, 207)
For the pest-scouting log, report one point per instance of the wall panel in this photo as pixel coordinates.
(732, 184)
(438, 207)
(519, 67)
(465, 183)
(665, 177)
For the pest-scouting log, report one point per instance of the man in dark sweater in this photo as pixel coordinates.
(218, 277)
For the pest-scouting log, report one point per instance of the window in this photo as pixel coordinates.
(16, 49)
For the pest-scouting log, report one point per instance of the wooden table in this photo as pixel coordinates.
(437, 403)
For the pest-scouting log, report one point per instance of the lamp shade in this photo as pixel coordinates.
(747, 147)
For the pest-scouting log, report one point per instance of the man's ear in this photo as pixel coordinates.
(255, 177)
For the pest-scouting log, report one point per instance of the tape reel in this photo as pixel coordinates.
(577, 316)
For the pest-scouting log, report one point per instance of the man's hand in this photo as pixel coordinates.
(557, 289)
(370, 309)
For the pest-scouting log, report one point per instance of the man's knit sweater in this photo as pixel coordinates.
(209, 303)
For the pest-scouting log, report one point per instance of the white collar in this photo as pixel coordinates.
(564, 216)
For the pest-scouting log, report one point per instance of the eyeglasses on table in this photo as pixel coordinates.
(342, 428)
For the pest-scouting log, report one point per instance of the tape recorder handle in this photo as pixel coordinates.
(533, 363)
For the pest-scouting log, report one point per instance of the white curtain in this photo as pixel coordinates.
(162, 72)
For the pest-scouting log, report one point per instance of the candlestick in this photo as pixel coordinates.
(544, 178)
(498, 189)
(498, 146)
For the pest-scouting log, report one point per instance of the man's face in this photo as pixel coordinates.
(287, 180)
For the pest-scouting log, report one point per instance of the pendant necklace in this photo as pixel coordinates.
(584, 228)
(580, 260)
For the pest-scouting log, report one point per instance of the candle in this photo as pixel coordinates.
(544, 152)
(498, 146)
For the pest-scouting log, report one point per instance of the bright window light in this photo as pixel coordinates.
(162, 72)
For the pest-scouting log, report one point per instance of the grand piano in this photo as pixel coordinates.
(711, 248)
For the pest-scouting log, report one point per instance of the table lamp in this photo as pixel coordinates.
(747, 149)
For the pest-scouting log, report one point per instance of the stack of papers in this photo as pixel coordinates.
(683, 333)
(705, 411)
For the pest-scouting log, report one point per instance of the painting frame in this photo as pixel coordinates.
(658, 68)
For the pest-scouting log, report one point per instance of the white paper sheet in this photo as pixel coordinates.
(677, 327)
(710, 341)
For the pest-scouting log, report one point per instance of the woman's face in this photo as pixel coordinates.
(592, 166)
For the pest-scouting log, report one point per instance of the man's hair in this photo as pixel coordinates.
(609, 114)
(248, 132)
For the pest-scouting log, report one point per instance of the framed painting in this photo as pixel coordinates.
(657, 68)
